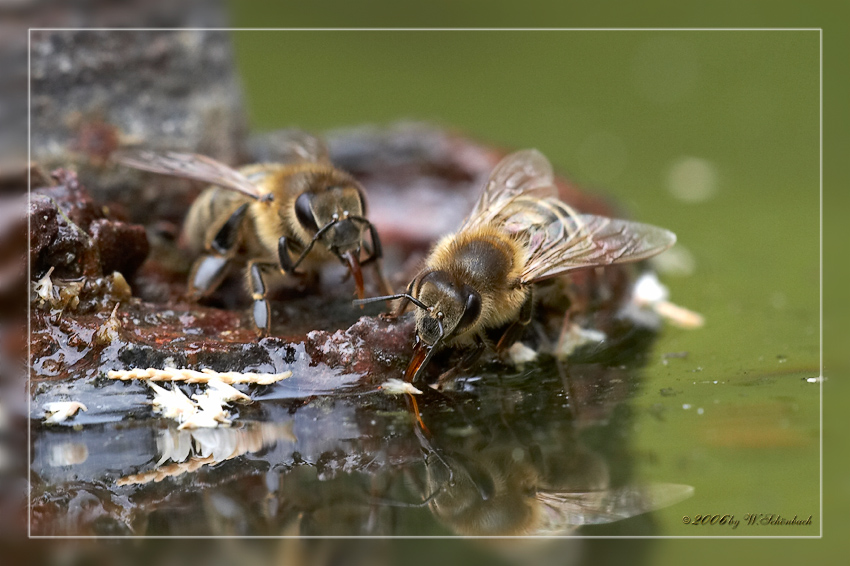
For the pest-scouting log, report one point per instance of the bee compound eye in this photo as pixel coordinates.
(471, 310)
(304, 212)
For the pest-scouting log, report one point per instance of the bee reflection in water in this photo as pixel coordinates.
(502, 493)
(544, 482)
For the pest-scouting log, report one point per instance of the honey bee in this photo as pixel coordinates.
(264, 214)
(489, 493)
(480, 279)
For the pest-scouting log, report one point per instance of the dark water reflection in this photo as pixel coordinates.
(542, 452)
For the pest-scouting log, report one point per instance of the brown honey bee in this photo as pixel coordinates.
(489, 493)
(481, 278)
(266, 214)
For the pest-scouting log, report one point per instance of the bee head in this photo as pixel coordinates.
(452, 309)
(332, 212)
(488, 494)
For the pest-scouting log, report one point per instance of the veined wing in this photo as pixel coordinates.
(306, 146)
(564, 511)
(520, 174)
(190, 166)
(574, 241)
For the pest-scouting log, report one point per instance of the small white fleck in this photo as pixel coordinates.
(395, 386)
(700, 411)
(648, 289)
(521, 354)
(60, 411)
(686, 406)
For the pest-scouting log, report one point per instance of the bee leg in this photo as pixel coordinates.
(401, 307)
(466, 363)
(207, 274)
(285, 259)
(210, 270)
(286, 262)
(377, 250)
(514, 331)
(227, 236)
(261, 310)
(579, 302)
(307, 279)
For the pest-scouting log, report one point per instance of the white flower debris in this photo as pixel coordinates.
(170, 470)
(211, 412)
(521, 354)
(66, 294)
(60, 411)
(192, 376)
(679, 316)
(190, 450)
(395, 386)
(227, 392)
(649, 292)
(44, 287)
(109, 330)
(207, 411)
(203, 410)
(206, 419)
(575, 337)
(67, 454)
(171, 404)
(174, 445)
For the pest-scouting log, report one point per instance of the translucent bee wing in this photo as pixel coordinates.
(520, 174)
(190, 166)
(574, 241)
(306, 147)
(564, 511)
(288, 146)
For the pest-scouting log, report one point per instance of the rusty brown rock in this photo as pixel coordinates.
(70, 233)
(123, 247)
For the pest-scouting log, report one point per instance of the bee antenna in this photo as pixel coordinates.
(407, 296)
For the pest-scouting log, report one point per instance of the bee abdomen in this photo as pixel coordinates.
(206, 215)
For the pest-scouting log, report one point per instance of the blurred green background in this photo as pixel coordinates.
(713, 134)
